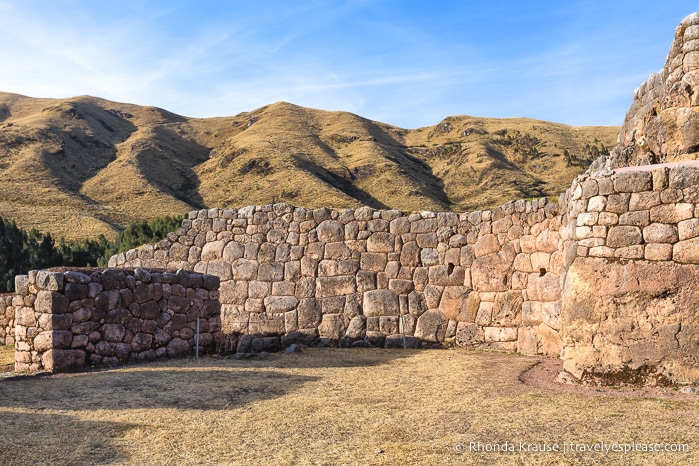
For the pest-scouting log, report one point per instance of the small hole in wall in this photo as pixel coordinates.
(450, 268)
(542, 272)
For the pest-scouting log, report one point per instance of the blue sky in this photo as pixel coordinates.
(408, 63)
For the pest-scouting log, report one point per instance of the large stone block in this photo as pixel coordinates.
(261, 324)
(331, 231)
(45, 341)
(686, 251)
(660, 233)
(622, 236)
(459, 304)
(59, 360)
(244, 269)
(380, 303)
(491, 272)
(332, 327)
(631, 318)
(335, 286)
(380, 242)
(51, 302)
(431, 326)
(486, 244)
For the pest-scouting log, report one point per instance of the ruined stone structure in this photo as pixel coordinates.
(607, 277)
(661, 125)
(7, 320)
(489, 279)
(65, 320)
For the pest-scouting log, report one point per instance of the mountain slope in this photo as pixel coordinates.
(83, 166)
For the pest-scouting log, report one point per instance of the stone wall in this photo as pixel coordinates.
(488, 279)
(662, 124)
(65, 320)
(7, 320)
(629, 303)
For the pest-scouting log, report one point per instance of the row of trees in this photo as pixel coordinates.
(21, 251)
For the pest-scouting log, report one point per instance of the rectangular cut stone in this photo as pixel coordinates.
(632, 181)
(597, 204)
(630, 252)
(688, 229)
(639, 218)
(622, 236)
(601, 251)
(498, 334)
(618, 203)
(587, 218)
(671, 213)
(335, 286)
(644, 200)
(686, 251)
(658, 252)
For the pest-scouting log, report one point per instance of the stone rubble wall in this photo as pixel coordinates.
(7, 320)
(66, 320)
(488, 279)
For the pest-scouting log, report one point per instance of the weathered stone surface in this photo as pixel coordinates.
(280, 304)
(491, 272)
(686, 251)
(660, 233)
(178, 348)
(331, 231)
(373, 262)
(357, 327)
(487, 244)
(431, 326)
(380, 303)
(622, 236)
(637, 314)
(51, 302)
(335, 286)
(57, 360)
(332, 327)
(266, 324)
(244, 269)
(380, 242)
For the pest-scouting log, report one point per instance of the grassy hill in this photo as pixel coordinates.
(83, 166)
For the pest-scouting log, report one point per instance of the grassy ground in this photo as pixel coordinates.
(7, 358)
(326, 406)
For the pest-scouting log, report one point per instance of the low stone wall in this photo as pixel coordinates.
(65, 320)
(7, 320)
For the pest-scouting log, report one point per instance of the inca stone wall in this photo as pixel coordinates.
(488, 279)
(661, 125)
(629, 304)
(7, 320)
(65, 320)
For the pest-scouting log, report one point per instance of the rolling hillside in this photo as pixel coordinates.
(83, 166)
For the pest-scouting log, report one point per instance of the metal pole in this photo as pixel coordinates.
(196, 341)
(402, 328)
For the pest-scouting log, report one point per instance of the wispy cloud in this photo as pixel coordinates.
(402, 63)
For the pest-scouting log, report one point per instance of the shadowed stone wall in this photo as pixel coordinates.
(65, 320)
(7, 320)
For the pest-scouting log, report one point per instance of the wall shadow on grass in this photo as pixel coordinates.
(37, 438)
(167, 388)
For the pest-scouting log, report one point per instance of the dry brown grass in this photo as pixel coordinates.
(74, 169)
(324, 406)
(7, 358)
